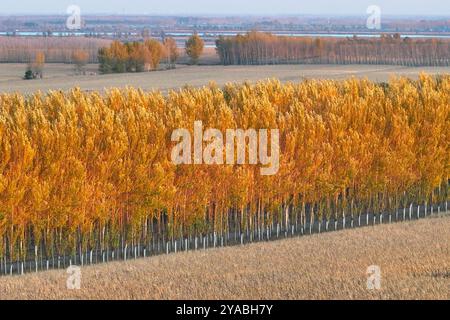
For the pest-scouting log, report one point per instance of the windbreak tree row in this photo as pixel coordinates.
(55, 49)
(255, 48)
(84, 171)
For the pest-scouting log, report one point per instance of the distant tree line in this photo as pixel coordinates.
(55, 49)
(256, 48)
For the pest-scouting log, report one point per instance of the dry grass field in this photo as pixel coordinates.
(61, 76)
(414, 258)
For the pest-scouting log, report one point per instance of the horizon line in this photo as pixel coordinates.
(262, 15)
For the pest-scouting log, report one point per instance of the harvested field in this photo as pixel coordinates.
(61, 76)
(414, 258)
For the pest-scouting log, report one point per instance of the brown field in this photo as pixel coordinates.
(414, 258)
(61, 76)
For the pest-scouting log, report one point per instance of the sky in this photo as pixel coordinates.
(228, 7)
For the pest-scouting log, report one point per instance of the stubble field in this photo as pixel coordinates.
(61, 76)
(414, 258)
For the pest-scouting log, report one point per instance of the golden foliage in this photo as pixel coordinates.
(85, 169)
(194, 48)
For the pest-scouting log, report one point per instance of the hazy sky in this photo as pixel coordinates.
(188, 7)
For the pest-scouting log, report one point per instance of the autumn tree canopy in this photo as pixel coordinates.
(131, 57)
(91, 171)
(171, 52)
(194, 48)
